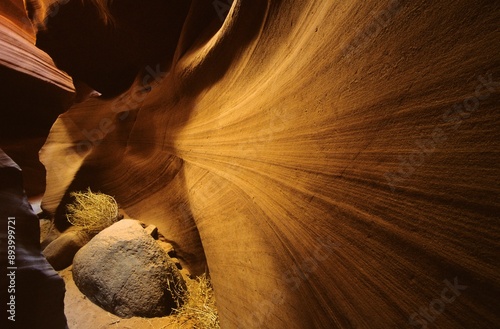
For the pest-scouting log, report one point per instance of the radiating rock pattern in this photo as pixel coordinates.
(332, 164)
(32, 292)
(123, 270)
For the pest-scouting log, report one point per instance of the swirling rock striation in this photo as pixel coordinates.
(333, 164)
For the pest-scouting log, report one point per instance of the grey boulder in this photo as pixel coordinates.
(125, 271)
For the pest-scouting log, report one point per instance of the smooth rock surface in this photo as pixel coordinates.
(123, 270)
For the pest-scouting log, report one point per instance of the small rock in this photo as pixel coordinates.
(153, 231)
(169, 249)
(60, 252)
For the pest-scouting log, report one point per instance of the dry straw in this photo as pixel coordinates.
(198, 310)
(93, 212)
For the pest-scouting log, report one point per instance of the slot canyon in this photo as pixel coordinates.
(328, 164)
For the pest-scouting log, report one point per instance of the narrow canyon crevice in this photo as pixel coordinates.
(332, 165)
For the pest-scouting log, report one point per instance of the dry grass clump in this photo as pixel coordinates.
(198, 310)
(93, 212)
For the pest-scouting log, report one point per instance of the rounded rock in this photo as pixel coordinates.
(124, 271)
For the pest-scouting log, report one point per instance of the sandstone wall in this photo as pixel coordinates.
(332, 164)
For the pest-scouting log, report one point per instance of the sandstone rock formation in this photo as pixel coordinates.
(32, 293)
(123, 270)
(332, 164)
(33, 93)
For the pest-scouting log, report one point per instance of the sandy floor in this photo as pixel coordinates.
(83, 314)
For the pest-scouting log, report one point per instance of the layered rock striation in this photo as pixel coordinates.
(333, 164)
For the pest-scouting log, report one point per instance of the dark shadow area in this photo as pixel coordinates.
(108, 57)
(29, 108)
